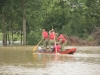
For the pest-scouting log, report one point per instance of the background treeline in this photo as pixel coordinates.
(26, 18)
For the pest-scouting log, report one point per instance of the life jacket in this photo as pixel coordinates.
(57, 47)
(62, 37)
(52, 35)
(45, 34)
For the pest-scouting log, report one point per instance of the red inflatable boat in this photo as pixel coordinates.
(67, 51)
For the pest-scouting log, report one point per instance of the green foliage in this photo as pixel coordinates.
(33, 38)
(1, 36)
(15, 39)
(89, 38)
(71, 17)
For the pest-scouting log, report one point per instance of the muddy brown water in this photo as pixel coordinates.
(22, 61)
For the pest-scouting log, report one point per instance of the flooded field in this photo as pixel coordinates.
(22, 61)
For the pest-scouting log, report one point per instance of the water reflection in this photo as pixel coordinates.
(24, 62)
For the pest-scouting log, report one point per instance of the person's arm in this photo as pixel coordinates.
(42, 36)
(50, 32)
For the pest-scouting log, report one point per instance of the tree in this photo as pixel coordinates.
(24, 21)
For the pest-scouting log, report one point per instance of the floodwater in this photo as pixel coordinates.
(16, 61)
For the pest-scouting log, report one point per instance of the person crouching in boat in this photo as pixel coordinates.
(56, 48)
(62, 41)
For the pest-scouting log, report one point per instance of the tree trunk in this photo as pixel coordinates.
(4, 31)
(24, 22)
(8, 37)
(21, 38)
(12, 36)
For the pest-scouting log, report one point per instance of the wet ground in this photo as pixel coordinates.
(22, 61)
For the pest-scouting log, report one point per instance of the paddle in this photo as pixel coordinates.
(37, 45)
(54, 38)
(55, 45)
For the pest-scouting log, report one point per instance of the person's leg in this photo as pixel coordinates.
(44, 44)
(60, 42)
(63, 45)
(50, 41)
(51, 44)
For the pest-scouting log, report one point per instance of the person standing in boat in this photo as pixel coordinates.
(62, 41)
(45, 38)
(52, 36)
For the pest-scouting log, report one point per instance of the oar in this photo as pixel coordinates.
(55, 41)
(37, 45)
(56, 47)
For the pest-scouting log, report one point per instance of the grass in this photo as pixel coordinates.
(1, 36)
(15, 36)
(89, 38)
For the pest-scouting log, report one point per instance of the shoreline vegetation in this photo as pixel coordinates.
(92, 40)
(24, 20)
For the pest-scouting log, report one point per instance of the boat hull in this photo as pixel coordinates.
(67, 51)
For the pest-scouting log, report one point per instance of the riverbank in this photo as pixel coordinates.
(14, 43)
